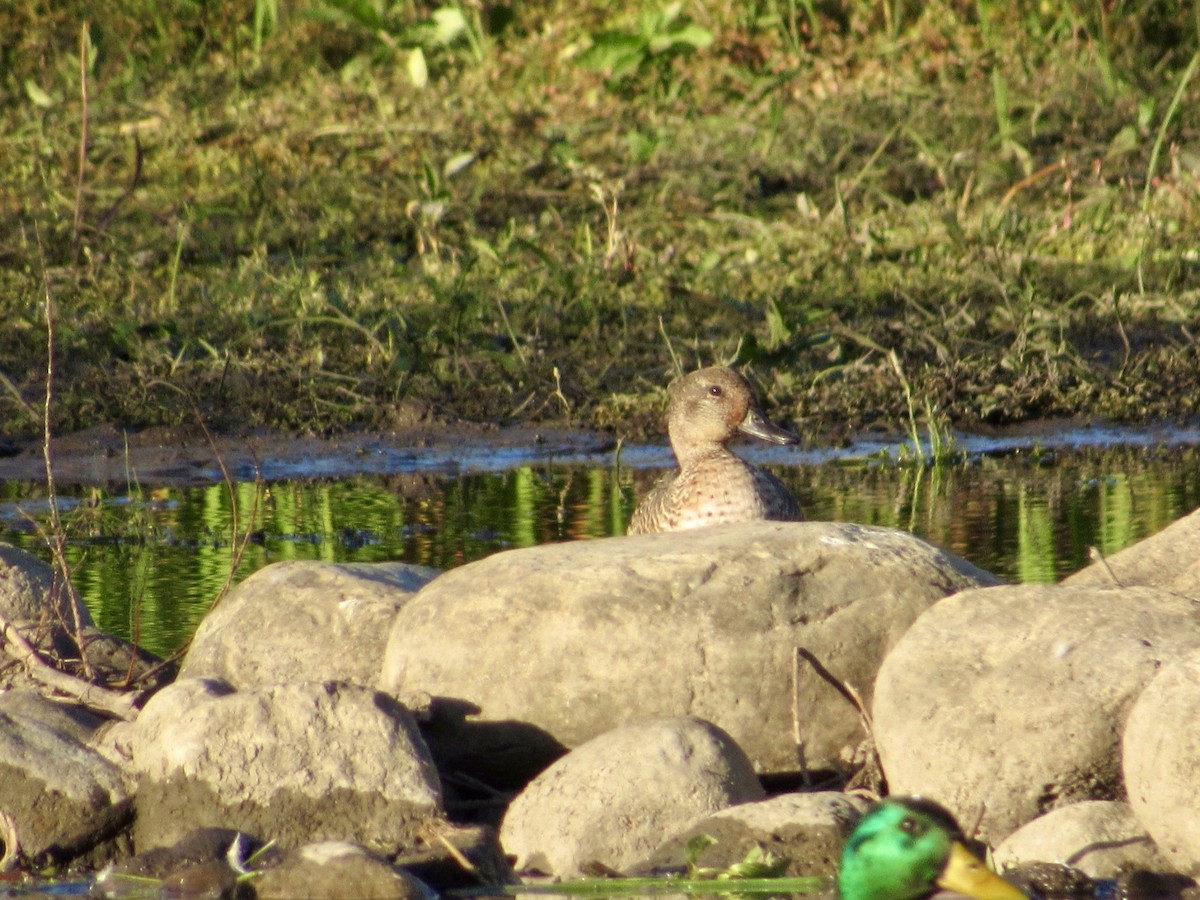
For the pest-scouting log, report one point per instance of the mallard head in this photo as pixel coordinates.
(908, 848)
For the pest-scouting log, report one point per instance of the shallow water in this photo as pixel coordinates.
(149, 561)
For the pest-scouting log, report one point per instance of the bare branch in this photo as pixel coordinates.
(113, 703)
(58, 544)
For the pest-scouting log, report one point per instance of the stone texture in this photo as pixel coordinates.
(119, 663)
(70, 719)
(332, 870)
(1162, 761)
(1165, 560)
(64, 799)
(548, 647)
(27, 591)
(611, 800)
(809, 830)
(303, 621)
(453, 856)
(300, 763)
(1012, 700)
(1101, 838)
(205, 863)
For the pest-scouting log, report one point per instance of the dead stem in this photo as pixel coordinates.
(58, 536)
(122, 705)
(852, 696)
(12, 843)
(77, 224)
(241, 539)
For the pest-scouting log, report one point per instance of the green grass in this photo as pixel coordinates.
(326, 214)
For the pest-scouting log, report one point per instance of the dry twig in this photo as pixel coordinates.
(121, 705)
(12, 843)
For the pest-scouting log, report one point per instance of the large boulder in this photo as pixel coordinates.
(1166, 560)
(1008, 702)
(611, 800)
(64, 799)
(69, 719)
(298, 763)
(28, 594)
(303, 621)
(1162, 761)
(551, 646)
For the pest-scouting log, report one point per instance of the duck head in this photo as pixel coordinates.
(909, 848)
(709, 406)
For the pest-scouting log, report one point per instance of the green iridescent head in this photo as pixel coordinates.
(908, 848)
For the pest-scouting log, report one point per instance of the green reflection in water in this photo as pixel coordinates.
(149, 563)
(1035, 539)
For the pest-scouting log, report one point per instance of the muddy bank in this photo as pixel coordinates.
(184, 457)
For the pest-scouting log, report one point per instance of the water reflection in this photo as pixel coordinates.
(149, 562)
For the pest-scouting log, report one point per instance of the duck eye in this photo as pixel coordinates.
(911, 826)
(715, 390)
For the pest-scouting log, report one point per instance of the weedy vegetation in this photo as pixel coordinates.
(329, 214)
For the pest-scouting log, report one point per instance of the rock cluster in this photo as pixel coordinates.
(599, 706)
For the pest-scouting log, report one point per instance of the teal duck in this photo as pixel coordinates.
(712, 486)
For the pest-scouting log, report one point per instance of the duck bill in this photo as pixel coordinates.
(758, 425)
(966, 874)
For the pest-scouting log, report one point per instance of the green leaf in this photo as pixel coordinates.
(778, 331)
(449, 25)
(484, 250)
(37, 95)
(1125, 141)
(757, 864)
(614, 51)
(355, 68)
(695, 847)
(693, 35)
(363, 13)
(1145, 114)
(457, 163)
(418, 71)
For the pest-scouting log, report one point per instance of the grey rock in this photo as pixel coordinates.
(294, 763)
(612, 799)
(303, 621)
(116, 741)
(70, 719)
(550, 646)
(27, 592)
(113, 662)
(203, 845)
(458, 856)
(806, 829)
(205, 863)
(334, 870)
(1165, 560)
(1101, 838)
(1162, 761)
(64, 799)
(32, 602)
(1013, 700)
(118, 663)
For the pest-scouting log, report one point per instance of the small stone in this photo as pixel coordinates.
(609, 801)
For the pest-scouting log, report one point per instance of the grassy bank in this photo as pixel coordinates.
(330, 214)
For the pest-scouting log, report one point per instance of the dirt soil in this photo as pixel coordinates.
(187, 457)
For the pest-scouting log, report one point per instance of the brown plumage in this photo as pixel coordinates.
(712, 485)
